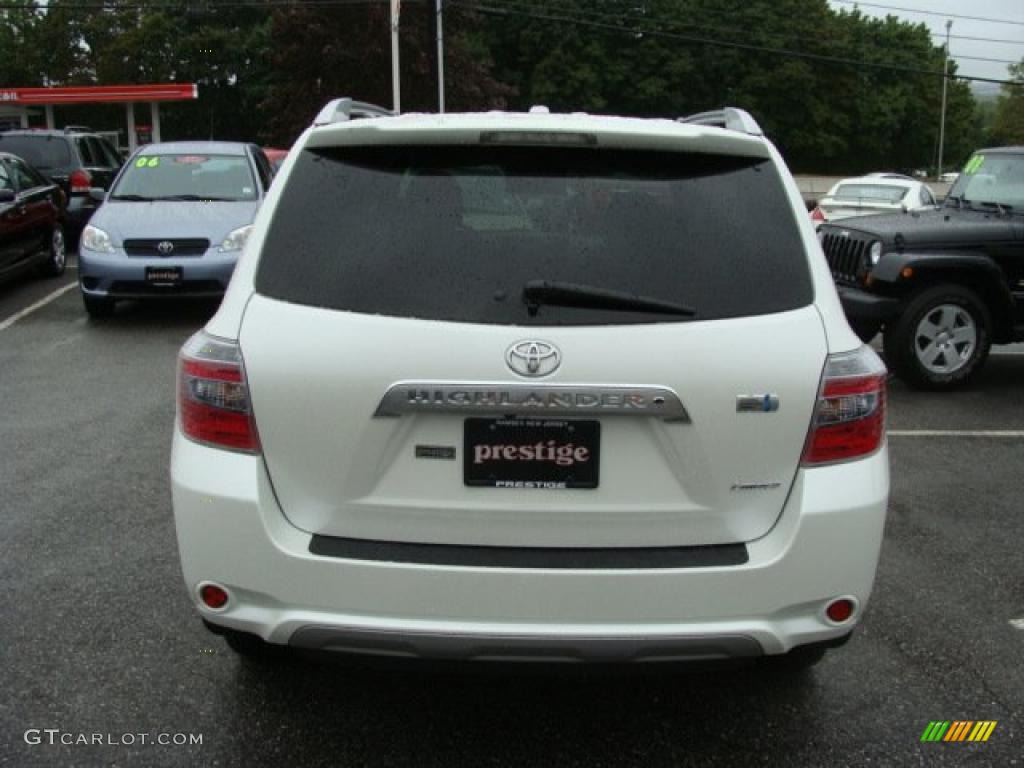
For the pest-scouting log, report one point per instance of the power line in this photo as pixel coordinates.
(506, 11)
(981, 58)
(930, 13)
(537, 12)
(977, 39)
(188, 5)
(679, 24)
(208, 5)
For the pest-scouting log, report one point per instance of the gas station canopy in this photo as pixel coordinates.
(100, 94)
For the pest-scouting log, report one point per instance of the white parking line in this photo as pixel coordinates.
(33, 307)
(1017, 623)
(1016, 433)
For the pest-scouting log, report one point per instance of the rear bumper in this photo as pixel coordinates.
(117, 275)
(80, 209)
(861, 305)
(232, 533)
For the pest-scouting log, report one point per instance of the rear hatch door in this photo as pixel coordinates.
(404, 390)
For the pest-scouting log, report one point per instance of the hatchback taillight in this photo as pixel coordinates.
(81, 181)
(817, 214)
(849, 418)
(213, 395)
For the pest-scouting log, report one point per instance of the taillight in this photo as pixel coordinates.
(213, 395)
(849, 418)
(817, 214)
(81, 181)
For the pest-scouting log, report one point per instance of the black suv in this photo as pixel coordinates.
(75, 160)
(942, 285)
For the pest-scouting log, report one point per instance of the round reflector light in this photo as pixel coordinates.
(840, 610)
(213, 596)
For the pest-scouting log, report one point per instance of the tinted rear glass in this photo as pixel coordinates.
(454, 233)
(43, 152)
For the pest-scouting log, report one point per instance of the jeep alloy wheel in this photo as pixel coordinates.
(941, 339)
(945, 339)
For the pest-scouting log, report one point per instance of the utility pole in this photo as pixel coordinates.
(440, 60)
(395, 80)
(942, 119)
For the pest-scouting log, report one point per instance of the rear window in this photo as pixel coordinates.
(454, 233)
(43, 152)
(187, 177)
(879, 192)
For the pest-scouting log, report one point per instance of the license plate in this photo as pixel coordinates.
(163, 275)
(531, 453)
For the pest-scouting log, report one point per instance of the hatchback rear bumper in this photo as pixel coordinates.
(80, 209)
(232, 533)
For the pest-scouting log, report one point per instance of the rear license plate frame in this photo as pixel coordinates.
(557, 441)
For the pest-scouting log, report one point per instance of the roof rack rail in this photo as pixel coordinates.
(342, 110)
(730, 118)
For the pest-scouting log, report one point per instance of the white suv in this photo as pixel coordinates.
(531, 386)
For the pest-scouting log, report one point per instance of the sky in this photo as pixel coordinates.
(934, 13)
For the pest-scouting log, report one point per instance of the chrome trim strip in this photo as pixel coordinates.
(502, 398)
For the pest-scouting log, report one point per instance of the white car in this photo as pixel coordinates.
(532, 387)
(875, 193)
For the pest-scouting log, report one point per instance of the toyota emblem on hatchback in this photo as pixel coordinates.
(166, 247)
(533, 358)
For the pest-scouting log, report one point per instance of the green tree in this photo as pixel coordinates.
(20, 63)
(1008, 121)
(667, 58)
(320, 53)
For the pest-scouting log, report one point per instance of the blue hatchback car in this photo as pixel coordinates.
(173, 224)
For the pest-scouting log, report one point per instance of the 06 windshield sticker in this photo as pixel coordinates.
(147, 162)
(974, 164)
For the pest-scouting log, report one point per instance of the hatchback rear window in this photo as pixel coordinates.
(455, 233)
(885, 194)
(43, 152)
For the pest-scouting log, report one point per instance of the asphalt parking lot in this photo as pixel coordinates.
(99, 637)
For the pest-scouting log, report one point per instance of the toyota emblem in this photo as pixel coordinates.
(533, 358)
(166, 247)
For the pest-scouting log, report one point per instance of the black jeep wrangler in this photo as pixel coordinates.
(943, 285)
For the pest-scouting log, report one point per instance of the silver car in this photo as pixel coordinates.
(173, 224)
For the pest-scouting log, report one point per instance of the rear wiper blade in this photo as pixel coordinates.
(133, 198)
(195, 198)
(1002, 208)
(559, 294)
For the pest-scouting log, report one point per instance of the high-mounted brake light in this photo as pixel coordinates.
(849, 418)
(81, 181)
(540, 138)
(213, 395)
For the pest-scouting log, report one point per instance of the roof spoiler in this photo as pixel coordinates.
(343, 110)
(730, 118)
